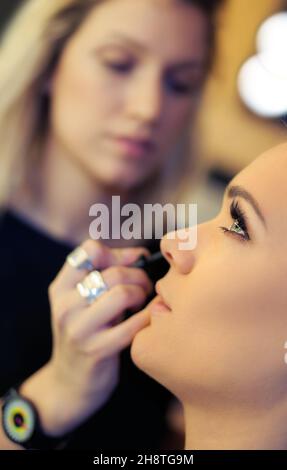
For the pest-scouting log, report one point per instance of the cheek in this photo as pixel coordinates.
(179, 116)
(233, 324)
(226, 334)
(81, 96)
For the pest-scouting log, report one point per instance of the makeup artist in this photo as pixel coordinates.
(97, 99)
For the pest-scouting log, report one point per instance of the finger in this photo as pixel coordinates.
(107, 308)
(68, 305)
(101, 257)
(126, 256)
(114, 340)
(124, 275)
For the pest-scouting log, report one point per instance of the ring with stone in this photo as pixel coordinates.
(92, 286)
(79, 259)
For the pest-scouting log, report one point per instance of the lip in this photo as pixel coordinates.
(133, 146)
(160, 301)
(158, 306)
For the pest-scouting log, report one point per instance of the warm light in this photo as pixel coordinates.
(262, 79)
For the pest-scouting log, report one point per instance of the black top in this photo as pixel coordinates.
(134, 417)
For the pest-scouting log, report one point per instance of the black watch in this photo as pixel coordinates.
(21, 423)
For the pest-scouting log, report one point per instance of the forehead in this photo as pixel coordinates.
(266, 179)
(169, 27)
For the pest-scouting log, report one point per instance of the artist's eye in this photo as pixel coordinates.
(181, 87)
(239, 226)
(119, 66)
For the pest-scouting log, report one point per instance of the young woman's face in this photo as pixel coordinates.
(224, 335)
(134, 69)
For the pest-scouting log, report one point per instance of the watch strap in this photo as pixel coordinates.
(21, 423)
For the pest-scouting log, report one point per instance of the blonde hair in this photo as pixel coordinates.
(30, 49)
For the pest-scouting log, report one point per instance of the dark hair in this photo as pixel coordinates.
(209, 8)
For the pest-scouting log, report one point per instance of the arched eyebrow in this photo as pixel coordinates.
(137, 46)
(239, 191)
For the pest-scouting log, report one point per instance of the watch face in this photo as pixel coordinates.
(19, 420)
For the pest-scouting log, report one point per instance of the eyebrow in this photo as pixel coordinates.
(193, 63)
(239, 191)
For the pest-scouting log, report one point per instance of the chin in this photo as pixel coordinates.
(125, 174)
(155, 356)
(148, 358)
(141, 350)
(121, 179)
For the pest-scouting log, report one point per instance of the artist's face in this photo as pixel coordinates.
(135, 69)
(224, 335)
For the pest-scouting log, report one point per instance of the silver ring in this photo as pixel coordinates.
(79, 259)
(92, 286)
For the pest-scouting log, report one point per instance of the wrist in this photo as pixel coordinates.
(21, 424)
(58, 414)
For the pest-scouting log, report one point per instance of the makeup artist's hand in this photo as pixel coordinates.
(87, 339)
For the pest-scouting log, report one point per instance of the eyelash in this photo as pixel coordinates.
(239, 221)
(177, 88)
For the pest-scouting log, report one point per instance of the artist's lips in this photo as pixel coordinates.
(134, 147)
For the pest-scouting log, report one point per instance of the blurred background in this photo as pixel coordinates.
(230, 134)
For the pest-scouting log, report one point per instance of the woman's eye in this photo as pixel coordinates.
(237, 230)
(120, 67)
(181, 88)
(238, 227)
(174, 86)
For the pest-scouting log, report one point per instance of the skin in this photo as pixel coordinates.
(220, 349)
(105, 86)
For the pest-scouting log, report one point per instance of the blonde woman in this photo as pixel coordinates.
(217, 330)
(97, 99)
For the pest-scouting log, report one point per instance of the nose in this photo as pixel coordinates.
(183, 256)
(177, 256)
(145, 98)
